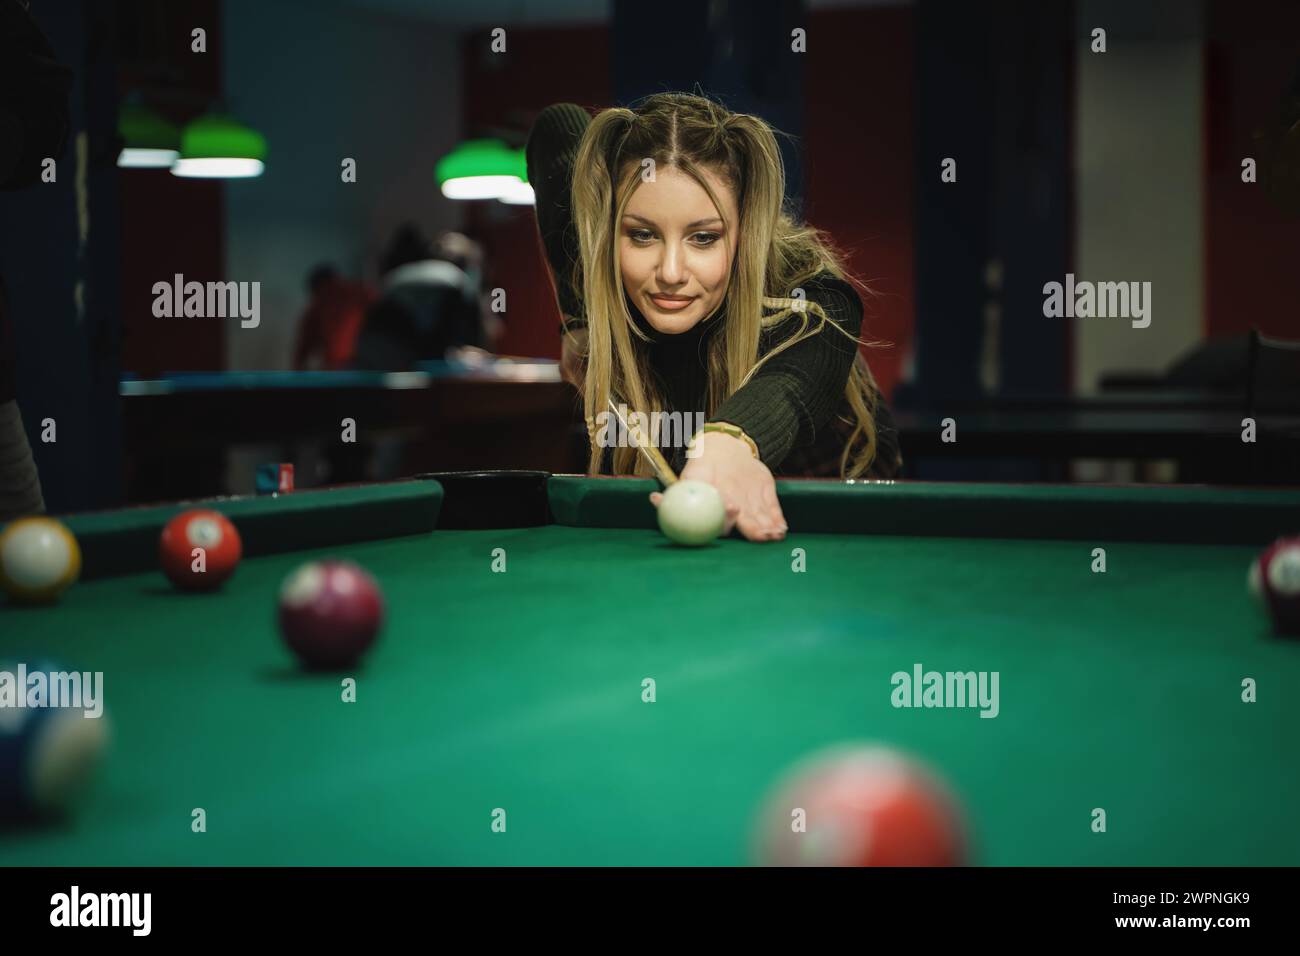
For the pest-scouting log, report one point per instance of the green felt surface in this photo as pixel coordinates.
(522, 690)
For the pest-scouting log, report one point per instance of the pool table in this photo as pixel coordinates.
(510, 676)
(442, 415)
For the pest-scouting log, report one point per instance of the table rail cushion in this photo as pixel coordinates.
(126, 541)
(1170, 513)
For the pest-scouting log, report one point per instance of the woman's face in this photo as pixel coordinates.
(675, 253)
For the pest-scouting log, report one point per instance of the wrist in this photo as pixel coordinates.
(723, 437)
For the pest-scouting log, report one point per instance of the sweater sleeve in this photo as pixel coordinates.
(550, 153)
(794, 395)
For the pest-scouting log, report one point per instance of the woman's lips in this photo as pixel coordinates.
(672, 303)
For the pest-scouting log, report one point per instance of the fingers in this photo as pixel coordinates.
(759, 518)
(764, 521)
(773, 508)
(733, 513)
(758, 528)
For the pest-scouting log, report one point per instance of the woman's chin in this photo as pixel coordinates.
(668, 323)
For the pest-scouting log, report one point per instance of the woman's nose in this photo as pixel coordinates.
(670, 267)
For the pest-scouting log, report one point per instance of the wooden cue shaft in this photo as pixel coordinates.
(657, 461)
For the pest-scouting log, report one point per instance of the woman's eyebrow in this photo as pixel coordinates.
(698, 223)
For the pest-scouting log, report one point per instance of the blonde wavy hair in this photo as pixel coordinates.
(775, 256)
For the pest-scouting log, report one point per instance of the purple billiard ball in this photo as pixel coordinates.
(1279, 583)
(330, 614)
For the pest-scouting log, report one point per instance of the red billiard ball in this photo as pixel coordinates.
(330, 613)
(1278, 576)
(199, 549)
(861, 805)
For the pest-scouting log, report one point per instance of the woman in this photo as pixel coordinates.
(686, 288)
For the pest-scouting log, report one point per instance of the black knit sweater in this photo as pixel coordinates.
(791, 407)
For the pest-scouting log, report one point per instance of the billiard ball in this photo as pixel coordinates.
(49, 756)
(1279, 581)
(199, 549)
(330, 614)
(861, 805)
(39, 559)
(1255, 579)
(691, 513)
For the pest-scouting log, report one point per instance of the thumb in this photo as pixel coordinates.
(733, 515)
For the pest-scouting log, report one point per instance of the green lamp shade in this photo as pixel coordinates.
(220, 137)
(149, 141)
(480, 169)
(218, 146)
(519, 194)
(142, 127)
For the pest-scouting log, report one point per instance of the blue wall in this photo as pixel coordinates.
(323, 82)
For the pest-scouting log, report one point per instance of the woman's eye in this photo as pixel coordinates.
(701, 239)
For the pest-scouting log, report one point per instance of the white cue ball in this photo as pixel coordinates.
(691, 513)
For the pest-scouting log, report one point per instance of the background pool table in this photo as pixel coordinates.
(522, 689)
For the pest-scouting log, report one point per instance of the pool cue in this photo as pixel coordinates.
(657, 461)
